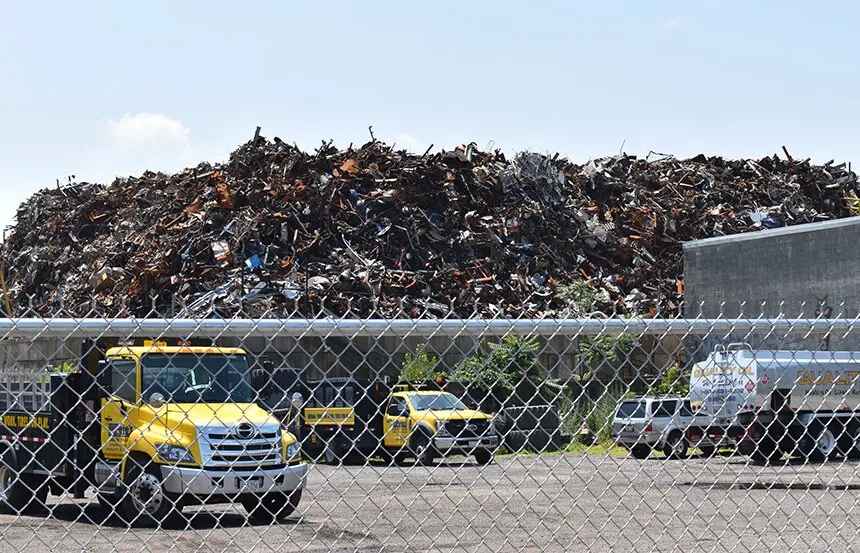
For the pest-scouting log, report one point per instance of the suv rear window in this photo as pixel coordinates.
(664, 408)
(631, 410)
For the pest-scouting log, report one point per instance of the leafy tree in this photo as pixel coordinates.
(421, 367)
(606, 348)
(672, 383)
(499, 366)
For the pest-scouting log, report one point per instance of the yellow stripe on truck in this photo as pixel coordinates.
(332, 415)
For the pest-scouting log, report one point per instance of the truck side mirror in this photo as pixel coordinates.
(104, 378)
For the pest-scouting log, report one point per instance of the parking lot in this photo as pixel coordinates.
(525, 503)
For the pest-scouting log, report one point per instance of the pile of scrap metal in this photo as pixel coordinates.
(374, 231)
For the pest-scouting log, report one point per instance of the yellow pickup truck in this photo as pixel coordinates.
(345, 419)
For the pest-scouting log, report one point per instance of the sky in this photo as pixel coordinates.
(105, 89)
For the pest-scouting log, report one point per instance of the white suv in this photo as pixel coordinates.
(663, 423)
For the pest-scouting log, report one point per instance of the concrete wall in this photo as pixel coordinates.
(366, 357)
(805, 271)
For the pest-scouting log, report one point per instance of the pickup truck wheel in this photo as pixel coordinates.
(143, 498)
(271, 506)
(676, 446)
(640, 451)
(19, 493)
(422, 449)
(483, 456)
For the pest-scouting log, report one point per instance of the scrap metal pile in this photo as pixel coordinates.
(280, 232)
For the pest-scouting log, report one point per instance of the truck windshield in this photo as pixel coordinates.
(440, 402)
(631, 410)
(190, 378)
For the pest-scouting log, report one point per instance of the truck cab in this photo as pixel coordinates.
(161, 427)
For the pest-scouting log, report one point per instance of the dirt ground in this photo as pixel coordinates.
(527, 503)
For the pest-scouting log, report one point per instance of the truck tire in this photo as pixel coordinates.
(422, 449)
(19, 493)
(676, 446)
(483, 456)
(821, 444)
(272, 506)
(333, 453)
(142, 498)
(640, 452)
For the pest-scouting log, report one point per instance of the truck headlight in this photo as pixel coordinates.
(293, 452)
(440, 428)
(174, 453)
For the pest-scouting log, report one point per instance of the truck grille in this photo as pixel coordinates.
(467, 428)
(239, 448)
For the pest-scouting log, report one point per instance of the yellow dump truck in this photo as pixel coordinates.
(345, 419)
(152, 428)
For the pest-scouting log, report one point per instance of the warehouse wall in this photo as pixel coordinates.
(369, 357)
(805, 271)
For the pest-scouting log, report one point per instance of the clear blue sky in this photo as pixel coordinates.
(99, 89)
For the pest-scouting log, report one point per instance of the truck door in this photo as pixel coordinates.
(115, 422)
(397, 424)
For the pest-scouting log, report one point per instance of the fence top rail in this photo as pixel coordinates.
(330, 327)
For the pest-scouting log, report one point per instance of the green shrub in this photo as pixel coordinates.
(594, 416)
(606, 348)
(671, 383)
(421, 367)
(499, 366)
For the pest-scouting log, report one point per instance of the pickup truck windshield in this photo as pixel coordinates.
(441, 402)
(190, 378)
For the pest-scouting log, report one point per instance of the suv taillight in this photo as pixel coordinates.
(649, 428)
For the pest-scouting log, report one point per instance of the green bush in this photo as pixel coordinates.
(421, 367)
(606, 348)
(671, 383)
(499, 366)
(594, 416)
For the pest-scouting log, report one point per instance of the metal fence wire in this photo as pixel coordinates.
(384, 435)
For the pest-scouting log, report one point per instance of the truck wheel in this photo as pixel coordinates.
(422, 449)
(676, 446)
(333, 454)
(143, 498)
(640, 451)
(271, 506)
(19, 493)
(823, 444)
(483, 456)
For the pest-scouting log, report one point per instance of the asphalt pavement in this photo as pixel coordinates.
(525, 503)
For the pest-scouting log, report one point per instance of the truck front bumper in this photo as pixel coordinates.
(209, 482)
(451, 444)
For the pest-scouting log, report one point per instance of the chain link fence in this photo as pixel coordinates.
(335, 434)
